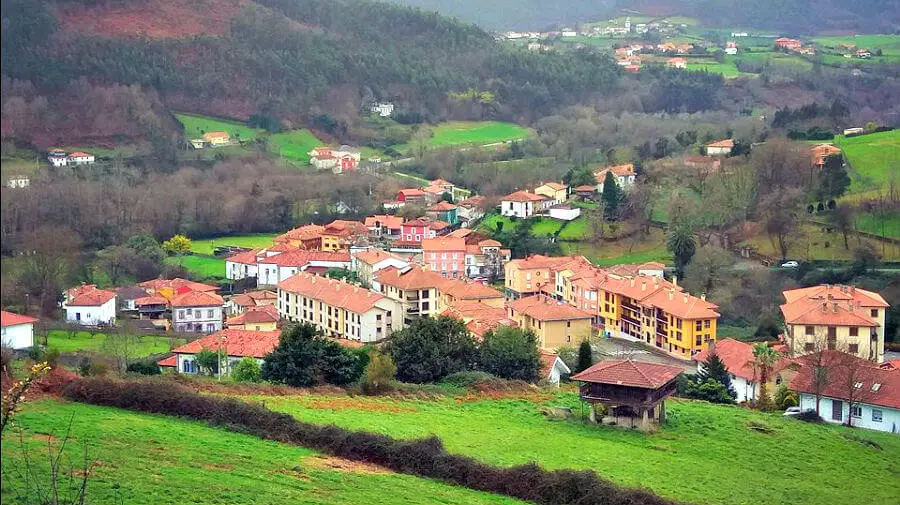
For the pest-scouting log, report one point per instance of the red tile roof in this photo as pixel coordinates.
(524, 196)
(413, 277)
(472, 202)
(831, 305)
(478, 316)
(150, 300)
(171, 361)
(255, 314)
(629, 373)
(442, 207)
(434, 190)
(334, 292)
(198, 299)
(466, 290)
(585, 189)
(389, 222)
(13, 319)
(177, 284)
(555, 186)
(443, 244)
(89, 295)
(305, 232)
(722, 143)
(738, 358)
(548, 359)
(240, 343)
(544, 308)
(877, 385)
(303, 258)
(411, 192)
(373, 256)
(617, 170)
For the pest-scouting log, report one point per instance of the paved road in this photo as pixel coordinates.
(615, 348)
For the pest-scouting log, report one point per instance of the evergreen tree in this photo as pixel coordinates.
(585, 356)
(611, 197)
(304, 358)
(511, 353)
(429, 349)
(714, 369)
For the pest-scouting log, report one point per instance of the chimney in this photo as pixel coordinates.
(824, 306)
(703, 296)
(835, 306)
(643, 285)
(671, 295)
(685, 298)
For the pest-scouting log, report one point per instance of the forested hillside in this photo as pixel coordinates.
(801, 16)
(296, 60)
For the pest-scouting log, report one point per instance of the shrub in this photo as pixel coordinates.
(429, 349)
(207, 361)
(422, 457)
(585, 356)
(36, 353)
(51, 356)
(98, 369)
(247, 370)
(84, 367)
(379, 374)
(304, 358)
(784, 398)
(145, 367)
(510, 353)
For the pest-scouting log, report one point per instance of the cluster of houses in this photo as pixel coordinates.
(338, 160)
(794, 46)
(61, 158)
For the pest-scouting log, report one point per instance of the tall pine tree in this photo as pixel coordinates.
(714, 369)
(585, 356)
(611, 197)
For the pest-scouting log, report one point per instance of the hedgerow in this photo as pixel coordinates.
(422, 457)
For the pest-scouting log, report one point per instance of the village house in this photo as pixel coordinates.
(650, 268)
(839, 317)
(245, 265)
(383, 225)
(231, 345)
(624, 176)
(18, 181)
(217, 139)
(741, 364)
(368, 263)
(633, 393)
(556, 192)
(720, 148)
(453, 291)
(197, 312)
(485, 260)
(80, 158)
(787, 43)
(16, 330)
(87, 305)
(274, 269)
(244, 301)
(418, 230)
(57, 158)
(553, 368)
(383, 109)
(523, 204)
(471, 209)
(303, 237)
(412, 196)
(443, 211)
(556, 324)
(731, 48)
(445, 255)
(340, 234)
(258, 318)
(340, 160)
(586, 192)
(415, 288)
(433, 193)
(565, 212)
(532, 275)
(151, 308)
(478, 316)
(822, 151)
(339, 309)
(846, 389)
(676, 62)
(170, 288)
(126, 295)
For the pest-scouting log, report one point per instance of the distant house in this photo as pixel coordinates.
(16, 330)
(443, 211)
(411, 195)
(127, 295)
(383, 109)
(738, 358)
(633, 393)
(486, 260)
(217, 139)
(553, 368)
(231, 345)
(417, 230)
(586, 192)
(851, 390)
(471, 209)
(384, 225)
(555, 191)
(445, 255)
(18, 181)
(258, 318)
(523, 204)
(90, 306)
(80, 158)
(197, 143)
(720, 148)
(245, 301)
(152, 307)
(565, 212)
(555, 323)
(197, 312)
(863, 54)
(57, 158)
(340, 160)
(821, 152)
(568, 32)
(368, 263)
(624, 176)
(787, 43)
(851, 132)
(731, 48)
(676, 62)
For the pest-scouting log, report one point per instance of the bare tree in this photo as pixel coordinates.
(50, 251)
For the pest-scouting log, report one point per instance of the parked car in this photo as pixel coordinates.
(790, 264)
(792, 412)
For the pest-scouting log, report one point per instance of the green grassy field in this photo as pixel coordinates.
(884, 226)
(195, 126)
(294, 145)
(489, 223)
(253, 241)
(543, 226)
(144, 459)
(809, 243)
(652, 248)
(706, 455)
(578, 229)
(64, 342)
(203, 267)
(889, 45)
(478, 133)
(873, 158)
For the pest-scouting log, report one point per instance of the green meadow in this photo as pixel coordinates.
(82, 341)
(460, 133)
(252, 241)
(145, 459)
(873, 160)
(195, 126)
(294, 145)
(202, 267)
(707, 454)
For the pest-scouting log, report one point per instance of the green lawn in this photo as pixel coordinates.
(872, 158)
(706, 455)
(489, 223)
(64, 342)
(543, 226)
(578, 229)
(195, 126)
(202, 267)
(144, 459)
(476, 133)
(652, 248)
(294, 145)
(253, 241)
(887, 225)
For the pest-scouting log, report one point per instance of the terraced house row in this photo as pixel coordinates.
(629, 301)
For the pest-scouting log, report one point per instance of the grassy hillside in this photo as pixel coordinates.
(460, 133)
(83, 341)
(294, 145)
(143, 459)
(873, 158)
(707, 454)
(202, 267)
(256, 240)
(196, 125)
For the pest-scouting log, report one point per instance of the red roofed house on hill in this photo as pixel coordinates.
(90, 306)
(838, 317)
(555, 323)
(553, 367)
(197, 312)
(788, 43)
(633, 392)
(371, 261)
(738, 358)
(231, 345)
(274, 269)
(16, 330)
(623, 174)
(523, 204)
(245, 301)
(720, 148)
(849, 390)
(259, 318)
(384, 225)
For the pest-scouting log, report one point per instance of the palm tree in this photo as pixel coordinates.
(680, 242)
(764, 359)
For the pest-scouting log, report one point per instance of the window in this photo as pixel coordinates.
(778, 380)
(856, 411)
(706, 323)
(854, 331)
(424, 305)
(699, 341)
(874, 312)
(678, 324)
(699, 326)
(857, 385)
(832, 332)
(810, 330)
(78, 316)
(197, 314)
(678, 336)
(853, 348)
(876, 387)
(809, 347)
(877, 415)
(209, 313)
(568, 324)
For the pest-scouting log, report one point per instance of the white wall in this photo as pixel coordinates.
(565, 214)
(186, 319)
(92, 315)
(518, 209)
(890, 418)
(236, 271)
(18, 336)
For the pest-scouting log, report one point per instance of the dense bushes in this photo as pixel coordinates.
(305, 358)
(421, 457)
(429, 349)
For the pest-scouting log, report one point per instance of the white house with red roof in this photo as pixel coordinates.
(720, 148)
(553, 368)
(197, 312)
(740, 362)
(340, 160)
(16, 330)
(523, 204)
(279, 267)
(486, 260)
(90, 306)
(80, 158)
(232, 346)
(371, 261)
(624, 176)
